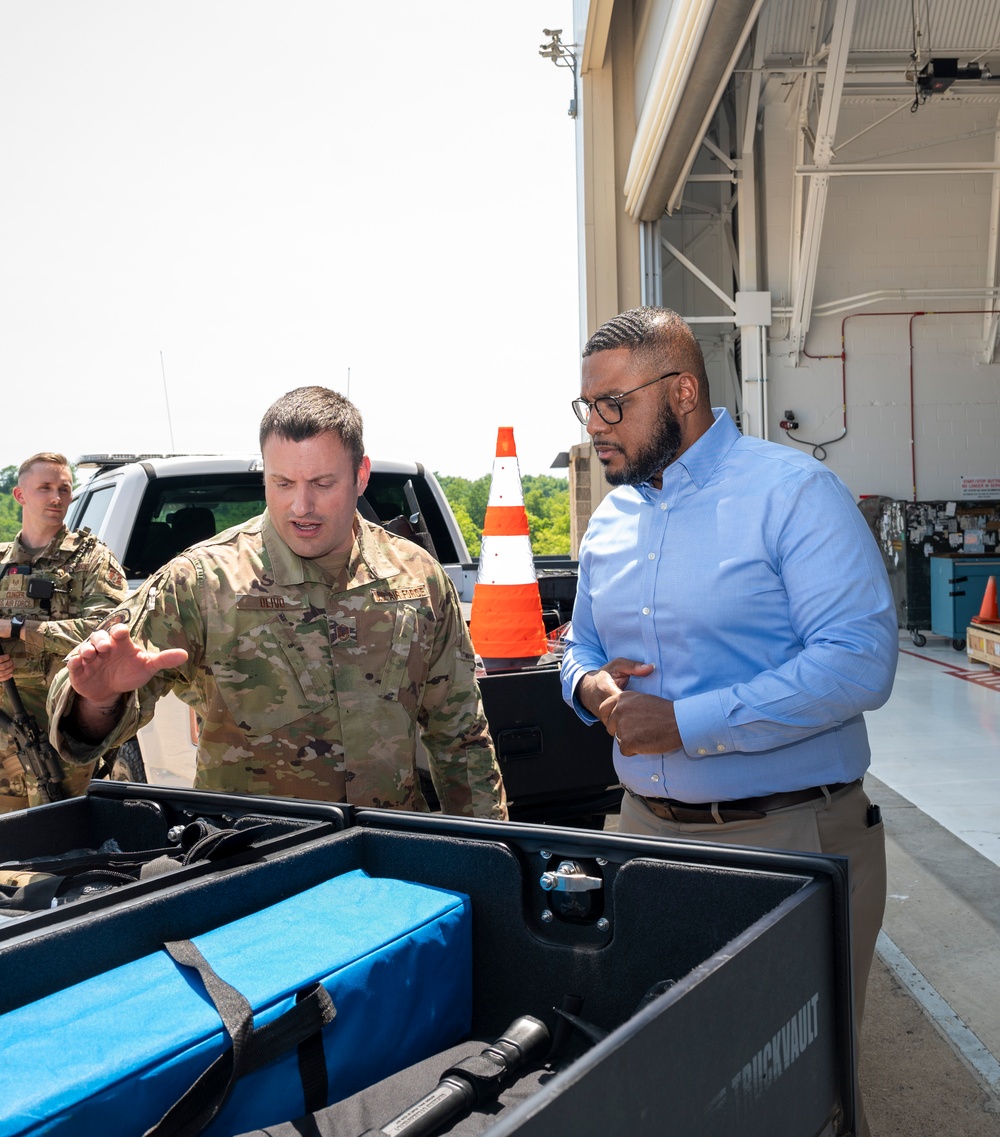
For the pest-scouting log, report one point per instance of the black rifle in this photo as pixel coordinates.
(473, 1082)
(34, 751)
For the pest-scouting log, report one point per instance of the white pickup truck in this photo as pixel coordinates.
(149, 507)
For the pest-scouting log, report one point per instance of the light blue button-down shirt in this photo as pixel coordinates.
(753, 584)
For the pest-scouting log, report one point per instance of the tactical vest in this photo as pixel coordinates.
(59, 566)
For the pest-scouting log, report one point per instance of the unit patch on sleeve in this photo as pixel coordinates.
(394, 595)
(118, 616)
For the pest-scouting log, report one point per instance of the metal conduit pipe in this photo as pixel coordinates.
(911, 316)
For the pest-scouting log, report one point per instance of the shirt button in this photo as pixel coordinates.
(702, 750)
(720, 747)
(645, 611)
(652, 556)
(655, 778)
(663, 506)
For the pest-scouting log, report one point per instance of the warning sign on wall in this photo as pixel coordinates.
(978, 488)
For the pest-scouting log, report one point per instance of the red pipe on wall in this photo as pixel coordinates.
(843, 359)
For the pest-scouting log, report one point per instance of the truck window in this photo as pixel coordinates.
(90, 513)
(178, 512)
(385, 494)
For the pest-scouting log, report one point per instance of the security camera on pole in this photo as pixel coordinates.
(507, 626)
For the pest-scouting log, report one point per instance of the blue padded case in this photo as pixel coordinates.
(110, 1055)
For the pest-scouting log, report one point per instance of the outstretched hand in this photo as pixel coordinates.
(110, 663)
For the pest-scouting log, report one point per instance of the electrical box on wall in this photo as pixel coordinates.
(753, 308)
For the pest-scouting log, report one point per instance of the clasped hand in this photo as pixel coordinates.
(641, 724)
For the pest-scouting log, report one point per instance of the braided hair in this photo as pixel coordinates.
(655, 333)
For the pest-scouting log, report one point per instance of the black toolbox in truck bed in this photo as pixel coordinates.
(555, 767)
(750, 1035)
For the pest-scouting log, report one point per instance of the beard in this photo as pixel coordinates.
(653, 458)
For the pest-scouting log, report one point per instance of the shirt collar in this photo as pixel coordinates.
(703, 457)
(36, 554)
(700, 460)
(367, 564)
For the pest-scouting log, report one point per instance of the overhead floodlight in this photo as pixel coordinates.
(938, 74)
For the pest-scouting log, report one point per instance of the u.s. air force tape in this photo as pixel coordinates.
(392, 595)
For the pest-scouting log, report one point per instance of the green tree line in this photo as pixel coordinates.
(546, 502)
(10, 511)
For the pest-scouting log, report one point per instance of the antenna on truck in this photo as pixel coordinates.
(170, 425)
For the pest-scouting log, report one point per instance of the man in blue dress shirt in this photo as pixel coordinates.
(733, 620)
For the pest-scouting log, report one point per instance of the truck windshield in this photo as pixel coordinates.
(178, 512)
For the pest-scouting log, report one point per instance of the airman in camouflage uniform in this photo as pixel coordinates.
(87, 583)
(319, 652)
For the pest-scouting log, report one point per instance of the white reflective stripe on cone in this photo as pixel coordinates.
(506, 560)
(505, 488)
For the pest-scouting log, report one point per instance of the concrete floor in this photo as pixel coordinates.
(930, 1060)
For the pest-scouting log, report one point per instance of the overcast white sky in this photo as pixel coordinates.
(278, 193)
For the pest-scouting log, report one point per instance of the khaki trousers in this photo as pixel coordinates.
(838, 826)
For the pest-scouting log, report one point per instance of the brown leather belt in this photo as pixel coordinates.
(742, 809)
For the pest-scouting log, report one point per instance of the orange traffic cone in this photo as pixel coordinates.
(988, 610)
(507, 627)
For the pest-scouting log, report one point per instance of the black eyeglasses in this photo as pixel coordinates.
(609, 407)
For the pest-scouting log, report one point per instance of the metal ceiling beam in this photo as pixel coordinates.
(595, 42)
(992, 253)
(696, 271)
(804, 281)
(855, 169)
(671, 178)
(753, 337)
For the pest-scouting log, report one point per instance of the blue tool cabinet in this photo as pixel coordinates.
(957, 588)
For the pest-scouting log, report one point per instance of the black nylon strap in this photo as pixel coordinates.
(251, 1049)
(312, 1059)
(221, 843)
(196, 1108)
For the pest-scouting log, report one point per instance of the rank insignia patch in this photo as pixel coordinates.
(343, 631)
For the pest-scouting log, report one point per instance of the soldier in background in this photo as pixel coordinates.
(316, 648)
(55, 587)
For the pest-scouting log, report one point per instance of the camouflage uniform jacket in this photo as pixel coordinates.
(306, 688)
(89, 583)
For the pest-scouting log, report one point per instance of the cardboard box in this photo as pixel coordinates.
(982, 644)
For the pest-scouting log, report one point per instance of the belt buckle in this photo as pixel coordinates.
(658, 806)
(668, 809)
